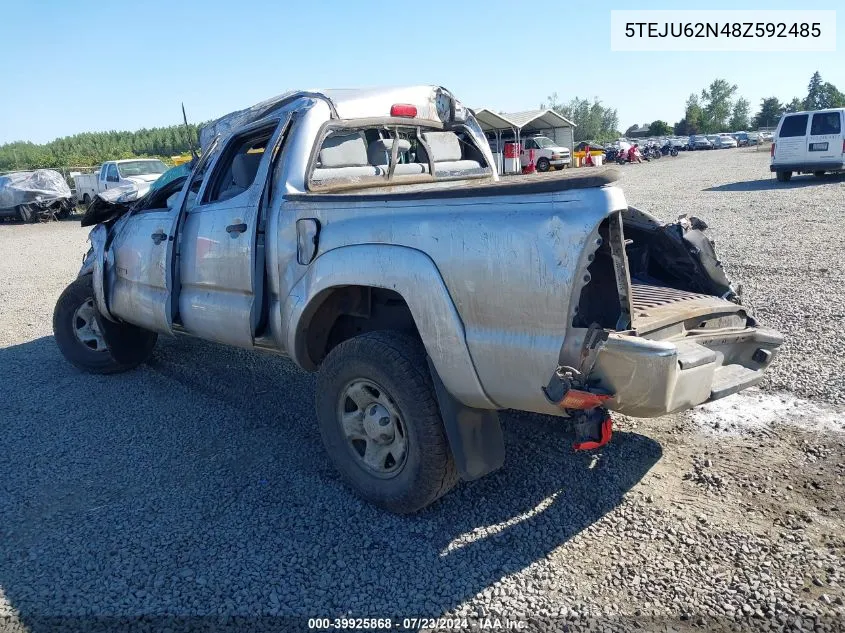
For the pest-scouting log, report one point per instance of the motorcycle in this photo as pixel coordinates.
(611, 154)
(669, 150)
(651, 151)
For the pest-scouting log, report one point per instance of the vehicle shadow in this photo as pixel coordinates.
(765, 184)
(195, 487)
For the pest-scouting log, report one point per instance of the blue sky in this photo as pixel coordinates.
(69, 67)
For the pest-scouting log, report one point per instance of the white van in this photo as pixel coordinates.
(809, 143)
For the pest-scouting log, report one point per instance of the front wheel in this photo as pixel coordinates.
(81, 341)
(784, 176)
(543, 164)
(819, 174)
(380, 422)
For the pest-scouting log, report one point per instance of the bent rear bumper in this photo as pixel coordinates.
(836, 165)
(650, 378)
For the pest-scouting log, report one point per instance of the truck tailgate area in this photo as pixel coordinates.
(656, 307)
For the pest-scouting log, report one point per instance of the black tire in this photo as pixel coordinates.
(396, 362)
(86, 200)
(819, 174)
(784, 176)
(136, 344)
(543, 165)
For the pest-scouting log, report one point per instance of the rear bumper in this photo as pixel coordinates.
(651, 378)
(836, 165)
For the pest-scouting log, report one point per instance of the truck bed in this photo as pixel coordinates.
(550, 182)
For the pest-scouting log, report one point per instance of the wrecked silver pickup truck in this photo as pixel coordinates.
(364, 235)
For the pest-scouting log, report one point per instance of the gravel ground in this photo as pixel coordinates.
(193, 492)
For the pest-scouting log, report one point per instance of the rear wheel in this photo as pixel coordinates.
(86, 200)
(380, 422)
(543, 164)
(819, 174)
(784, 176)
(80, 338)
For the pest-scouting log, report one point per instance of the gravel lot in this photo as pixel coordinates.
(193, 492)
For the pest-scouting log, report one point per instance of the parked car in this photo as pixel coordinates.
(134, 176)
(741, 138)
(33, 195)
(723, 141)
(364, 235)
(698, 141)
(809, 143)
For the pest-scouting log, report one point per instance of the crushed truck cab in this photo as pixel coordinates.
(367, 236)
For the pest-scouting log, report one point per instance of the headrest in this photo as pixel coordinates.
(344, 150)
(244, 168)
(379, 151)
(444, 145)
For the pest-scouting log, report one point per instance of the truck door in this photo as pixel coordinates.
(825, 144)
(139, 267)
(791, 142)
(109, 176)
(220, 269)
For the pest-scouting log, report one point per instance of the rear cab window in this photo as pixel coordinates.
(793, 125)
(826, 123)
(351, 157)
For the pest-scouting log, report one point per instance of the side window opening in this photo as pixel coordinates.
(238, 166)
(826, 123)
(112, 174)
(794, 125)
(361, 157)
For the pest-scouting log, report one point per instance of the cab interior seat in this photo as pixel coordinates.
(243, 171)
(344, 155)
(447, 152)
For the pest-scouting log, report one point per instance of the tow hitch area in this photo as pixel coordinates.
(567, 390)
(593, 429)
(592, 422)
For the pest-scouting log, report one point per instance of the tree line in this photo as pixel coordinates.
(594, 121)
(92, 148)
(717, 110)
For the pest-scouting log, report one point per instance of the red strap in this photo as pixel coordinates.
(606, 433)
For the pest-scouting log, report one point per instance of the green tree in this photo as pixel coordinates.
(796, 105)
(831, 97)
(594, 121)
(90, 148)
(691, 123)
(659, 128)
(739, 117)
(814, 93)
(717, 100)
(770, 111)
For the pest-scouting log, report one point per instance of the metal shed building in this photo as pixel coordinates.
(498, 125)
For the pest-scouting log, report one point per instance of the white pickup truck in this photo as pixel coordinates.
(135, 175)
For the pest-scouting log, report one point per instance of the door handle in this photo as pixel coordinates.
(159, 236)
(234, 229)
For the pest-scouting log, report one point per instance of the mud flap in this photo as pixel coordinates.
(126, 342)
(475, 435)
